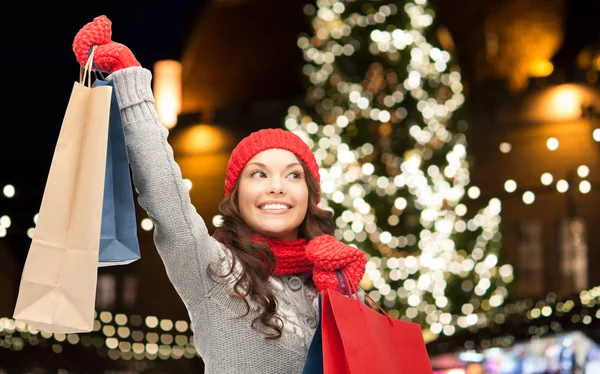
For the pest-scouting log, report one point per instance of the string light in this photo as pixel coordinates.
(505, 147)
(562, 185)
(120, 336)
(546, 179)
(585, 187)
(136, 337)
(510, 186)
(8, 191)
(527, 319)
(552, 144)
(528, 197)
(396, 181)
(146, 224)
(583, 171)
(5, 223)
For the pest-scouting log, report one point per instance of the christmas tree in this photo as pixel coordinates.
(381, 118)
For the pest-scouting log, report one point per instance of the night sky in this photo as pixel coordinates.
(39, 67)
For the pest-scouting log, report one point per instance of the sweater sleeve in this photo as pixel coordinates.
(180, 234)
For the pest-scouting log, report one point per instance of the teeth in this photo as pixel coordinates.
(274, 207)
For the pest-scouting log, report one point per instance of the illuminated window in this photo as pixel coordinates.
(106, 294)
(129, 291)
(574, 255)
(531, 256)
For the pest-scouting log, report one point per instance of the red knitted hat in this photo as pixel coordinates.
(262, 140)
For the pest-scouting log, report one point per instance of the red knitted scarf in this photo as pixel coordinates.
(290, 256)
(323, 260)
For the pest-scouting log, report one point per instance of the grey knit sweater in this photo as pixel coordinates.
(226, 344)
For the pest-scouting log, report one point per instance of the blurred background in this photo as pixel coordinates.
(459, 143)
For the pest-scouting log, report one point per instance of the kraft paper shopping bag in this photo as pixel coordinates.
(58, 284)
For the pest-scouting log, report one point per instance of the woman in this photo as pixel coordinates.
(250, 289)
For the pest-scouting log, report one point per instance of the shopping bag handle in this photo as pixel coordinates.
(350, 291)
(353, 291)
(86, 71)
(341, 277)
(379, 307)
(98, 71)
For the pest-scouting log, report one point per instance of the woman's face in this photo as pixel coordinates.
(273, 194)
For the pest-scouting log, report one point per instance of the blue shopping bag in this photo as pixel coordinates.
(118, 236)
(313, 363)
(314, 358)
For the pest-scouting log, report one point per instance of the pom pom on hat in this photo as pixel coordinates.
(263, 140)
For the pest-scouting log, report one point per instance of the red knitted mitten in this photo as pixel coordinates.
(114, 56)
(97, 32)
(109, 56)
(329, 255)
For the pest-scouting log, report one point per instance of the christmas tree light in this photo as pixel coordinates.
(394, 162)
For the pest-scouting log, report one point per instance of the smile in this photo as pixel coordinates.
(275, 207)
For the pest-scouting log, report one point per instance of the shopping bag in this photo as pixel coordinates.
(357, 338)
(314, 357)
(313, 363)
(58, 284)
(118, 237)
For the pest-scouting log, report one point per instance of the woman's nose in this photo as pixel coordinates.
(276, 186)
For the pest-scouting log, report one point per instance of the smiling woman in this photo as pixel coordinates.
(250, 289)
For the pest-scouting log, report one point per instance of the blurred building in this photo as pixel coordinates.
(532, 78)
(531, 71)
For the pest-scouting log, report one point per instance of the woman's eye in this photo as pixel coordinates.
(258, 174)
(295, 175)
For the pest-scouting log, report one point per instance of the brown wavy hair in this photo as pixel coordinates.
(257, 260)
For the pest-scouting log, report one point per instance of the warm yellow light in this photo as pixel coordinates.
(559, 103)
(505, 147)
(5, 221)
(562, 186)
(583, 171)
(9, 190)
(202, 139)
(547, 179)
(445, 38)
(167, 91)
(552, 144)
(585, 187)
(147, 224)
(510, 185)
(473, 192)
(528, 197)
(566, 101)
(541, 68)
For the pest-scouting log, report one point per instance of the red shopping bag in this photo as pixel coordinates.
(357, 339)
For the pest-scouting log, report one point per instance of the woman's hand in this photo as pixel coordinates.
(328, 255)
(109, 56)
